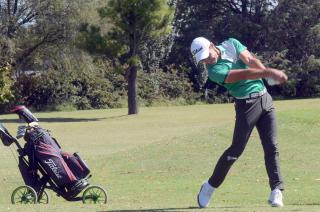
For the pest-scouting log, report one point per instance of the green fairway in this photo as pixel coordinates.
(157, 160)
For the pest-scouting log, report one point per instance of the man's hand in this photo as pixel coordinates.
(277, 75)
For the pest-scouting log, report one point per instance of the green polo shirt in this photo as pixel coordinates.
(229, 59)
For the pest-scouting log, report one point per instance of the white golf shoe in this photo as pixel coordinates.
(205, 194)
(275, 198)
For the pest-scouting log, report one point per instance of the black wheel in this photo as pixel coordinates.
(94, 195)
(43, 198)
(24, 195)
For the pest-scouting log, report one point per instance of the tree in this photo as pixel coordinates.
(33, 24)
(5, 84)
(294, 32)
(133, 21)
(296, 28)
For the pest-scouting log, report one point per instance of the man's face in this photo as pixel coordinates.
(213, 56)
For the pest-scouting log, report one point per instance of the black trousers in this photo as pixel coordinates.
(254, 112)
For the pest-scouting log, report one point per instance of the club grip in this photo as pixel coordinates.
(25, 114)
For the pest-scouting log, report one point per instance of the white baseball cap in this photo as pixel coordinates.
(200, 48)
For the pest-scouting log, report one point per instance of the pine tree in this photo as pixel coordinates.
(133, 22)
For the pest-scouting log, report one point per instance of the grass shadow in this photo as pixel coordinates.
(155, 210)
(308, 204)
(220, 208)
(63, 120)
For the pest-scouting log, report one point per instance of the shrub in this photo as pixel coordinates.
(81, 89)
(159, 85)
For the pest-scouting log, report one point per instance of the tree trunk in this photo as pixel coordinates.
(132, 91)
(244, 8)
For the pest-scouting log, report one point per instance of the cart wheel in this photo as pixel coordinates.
(43, 198)
(94, 195)
(24, 195)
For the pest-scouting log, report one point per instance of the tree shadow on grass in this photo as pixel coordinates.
(223, 208)
(155, 210)
(307, 204)
(63, 120)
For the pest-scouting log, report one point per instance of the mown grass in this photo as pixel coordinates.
(157, 160)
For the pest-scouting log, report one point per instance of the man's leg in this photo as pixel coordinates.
(268, 134)
(267, 129)
(240, 139)
(246, 116)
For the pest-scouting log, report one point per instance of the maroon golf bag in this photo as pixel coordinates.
(44, 166)
(63, 168)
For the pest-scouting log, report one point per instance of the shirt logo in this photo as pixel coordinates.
(194, 52)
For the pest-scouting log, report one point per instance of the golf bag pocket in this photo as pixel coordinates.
(5, 136)
(25, 171)
(78, 167)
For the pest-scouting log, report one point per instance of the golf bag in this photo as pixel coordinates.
(63, 168)
(43, 165)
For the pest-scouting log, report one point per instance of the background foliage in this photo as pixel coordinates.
(58, 55)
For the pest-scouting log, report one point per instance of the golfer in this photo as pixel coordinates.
(232, 66)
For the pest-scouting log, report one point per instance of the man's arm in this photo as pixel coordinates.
(252, 73)
(256, 70)
(250, 60)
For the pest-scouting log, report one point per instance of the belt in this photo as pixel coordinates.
(253, 95)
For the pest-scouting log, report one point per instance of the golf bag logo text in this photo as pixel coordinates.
(53, 167)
